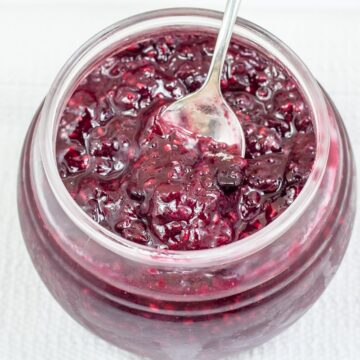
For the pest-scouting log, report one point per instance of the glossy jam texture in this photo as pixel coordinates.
(153, 186)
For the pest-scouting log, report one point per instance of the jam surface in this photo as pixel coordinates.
(156, 187)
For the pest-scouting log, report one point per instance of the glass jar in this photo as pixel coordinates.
(202, 304)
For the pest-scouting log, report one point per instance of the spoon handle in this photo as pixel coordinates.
(222, 43)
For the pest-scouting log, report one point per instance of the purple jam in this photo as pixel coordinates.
(159, 188)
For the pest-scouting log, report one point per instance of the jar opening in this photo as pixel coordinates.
(103, 43)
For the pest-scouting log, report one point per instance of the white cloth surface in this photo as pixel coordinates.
(36, 37)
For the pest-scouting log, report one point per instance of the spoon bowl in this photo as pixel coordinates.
(206, 114)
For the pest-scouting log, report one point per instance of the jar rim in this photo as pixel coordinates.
(53, 106)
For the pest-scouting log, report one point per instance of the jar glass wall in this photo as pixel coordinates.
(218, 301)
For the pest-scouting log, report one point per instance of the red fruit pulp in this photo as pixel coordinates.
(159, 188)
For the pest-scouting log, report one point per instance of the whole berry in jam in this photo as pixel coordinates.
(156, 187)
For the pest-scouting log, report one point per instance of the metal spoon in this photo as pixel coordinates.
(206, 112)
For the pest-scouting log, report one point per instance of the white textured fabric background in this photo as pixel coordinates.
(36, 37)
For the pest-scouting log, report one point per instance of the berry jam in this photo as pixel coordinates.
(159, 188)
(138, 178)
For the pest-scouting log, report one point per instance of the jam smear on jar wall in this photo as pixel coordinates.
(159, 188)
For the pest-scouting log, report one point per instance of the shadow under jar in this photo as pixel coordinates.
(202, 304)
